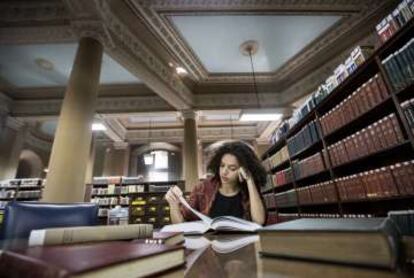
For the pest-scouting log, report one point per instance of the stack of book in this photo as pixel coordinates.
(408, 109)
(381, 135)
(309, 166)
(307, 136)
(366, 97)
(400, 66)
(395, 20)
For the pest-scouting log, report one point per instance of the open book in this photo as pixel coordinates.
(222, 223)
(221, 245)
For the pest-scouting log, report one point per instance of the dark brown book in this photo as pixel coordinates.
(376, 90)
(109, 259)
(397, 129)
(334, 240)
(382, 87)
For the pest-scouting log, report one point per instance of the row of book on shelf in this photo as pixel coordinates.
(385, 182)
(378, 136)
(307, 136)
(366, 97)
(29, 182)
(408, 109)
(394, 21)
(357, 57)
(399, 65)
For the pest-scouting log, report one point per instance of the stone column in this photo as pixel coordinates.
(190, 149)
(70, 152)
(12, 140)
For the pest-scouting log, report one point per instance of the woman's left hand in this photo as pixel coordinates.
(244, 175)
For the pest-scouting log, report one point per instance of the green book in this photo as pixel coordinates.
(360, 241)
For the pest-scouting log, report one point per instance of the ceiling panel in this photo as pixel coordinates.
(44, 65)
(216, 39)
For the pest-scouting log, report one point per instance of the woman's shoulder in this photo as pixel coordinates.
(206, 185)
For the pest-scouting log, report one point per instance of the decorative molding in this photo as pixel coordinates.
(236, 101)
(33, 11)
(105, 106)
(115, 130)
(189, 114)
(94, 29)
(133, 54)
(37, 34)
(15, 124)
(120, 145)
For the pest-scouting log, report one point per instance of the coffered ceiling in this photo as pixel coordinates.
(300, 43)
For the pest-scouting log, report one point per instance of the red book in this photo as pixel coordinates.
(376, 89)
(397, 129)
(382, 87)
(112, 259)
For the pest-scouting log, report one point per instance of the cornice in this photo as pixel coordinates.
(134, 53)
(32, 11)
(37, 34)
(234, 100)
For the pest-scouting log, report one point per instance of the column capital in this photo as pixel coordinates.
(120, 145)
(95, 29)
(189, 114)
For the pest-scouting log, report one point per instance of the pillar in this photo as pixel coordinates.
(190, 150)
(70, 151)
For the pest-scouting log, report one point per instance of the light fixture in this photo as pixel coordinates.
(98, 127)
(249, 48)
(255, 115)
(44, 64)
(149, 157)
(181, 70)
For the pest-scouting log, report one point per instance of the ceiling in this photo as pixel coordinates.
(49, 65)
(300, 43)
(215, 40)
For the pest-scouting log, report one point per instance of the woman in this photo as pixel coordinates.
(233, 190)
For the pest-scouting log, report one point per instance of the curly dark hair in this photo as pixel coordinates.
(246, 157)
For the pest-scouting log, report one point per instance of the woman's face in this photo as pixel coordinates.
(229, 169)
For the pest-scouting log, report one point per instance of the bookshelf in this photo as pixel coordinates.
(357, 158)
(143, 199)
(19, 190)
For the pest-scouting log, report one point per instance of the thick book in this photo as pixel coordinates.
(222, 223)
(109, 259)
(71, 235)
(359, 241)
(223, 244)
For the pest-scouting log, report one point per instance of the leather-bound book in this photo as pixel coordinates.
(109, 259)
(334, 240)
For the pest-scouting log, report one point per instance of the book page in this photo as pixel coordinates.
(203, 217)
(188, 228)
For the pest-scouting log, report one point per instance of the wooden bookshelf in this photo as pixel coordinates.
(97, 193)
(391, 155)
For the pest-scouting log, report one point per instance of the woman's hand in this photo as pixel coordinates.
(173, 196)
(244, 175)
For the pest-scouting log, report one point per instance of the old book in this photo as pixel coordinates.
(109, 259)
(334, 240)
(70, 235)
(222, 223)
(223, 244)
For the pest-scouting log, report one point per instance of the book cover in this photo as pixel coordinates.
(109, 259)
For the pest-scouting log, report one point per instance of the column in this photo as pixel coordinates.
(70, 152)
(12, 140)
(190, 149)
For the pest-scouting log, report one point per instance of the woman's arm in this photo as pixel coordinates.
(257, 210)
(172, 198)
